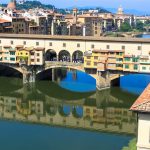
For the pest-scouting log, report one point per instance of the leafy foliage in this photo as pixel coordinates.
(131, 146)
(125, 27)
(34, 4)
(139, 26)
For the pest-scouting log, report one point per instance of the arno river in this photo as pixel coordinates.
(68, 114)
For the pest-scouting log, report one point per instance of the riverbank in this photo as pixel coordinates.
(131, 145)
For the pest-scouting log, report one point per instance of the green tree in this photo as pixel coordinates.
(125, 27)
(139, 26)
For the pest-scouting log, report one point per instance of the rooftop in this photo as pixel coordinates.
(3, 20)
(142, 104)
(77, 38)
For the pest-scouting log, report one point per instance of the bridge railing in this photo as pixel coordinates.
(62, 63)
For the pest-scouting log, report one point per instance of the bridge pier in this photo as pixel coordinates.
(29, 77)
(53, 74)
(103, 80)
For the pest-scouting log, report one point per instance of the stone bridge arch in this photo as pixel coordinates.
(64, 55)
(50, 55)
(68, 65)
(12, 69)
(77, 56)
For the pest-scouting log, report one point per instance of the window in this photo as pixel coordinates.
(38, 60)
(135, 59)
(37, 54)
(92, 46)
(107, 46)
(95, 32)
(0, 41)
(12, 59)
(50, 44)
(37, 43)
(88, 63)
(95, 63)
(123, 47)
(26, 53)
(11, 42)
(127, 59)
(32, 60)
(32, 53)
(88, 57)
(78, 45)
(64, 44)
(12, 53)
(139, 48)
(24, 42)
(95, 57)
(135, 67)
(143, 68)
(126, 66)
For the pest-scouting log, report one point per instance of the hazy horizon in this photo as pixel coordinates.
(140, 5)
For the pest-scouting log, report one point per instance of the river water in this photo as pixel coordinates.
(68, 114)
(144, 36)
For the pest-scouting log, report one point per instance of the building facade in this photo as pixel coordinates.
(142, 108)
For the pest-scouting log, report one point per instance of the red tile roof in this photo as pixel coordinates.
(142, 104)
(3, 20)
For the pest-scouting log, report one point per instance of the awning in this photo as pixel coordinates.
(19, 46)
(7, 46)
(40, 49)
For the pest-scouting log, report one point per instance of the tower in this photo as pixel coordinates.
(75, 11)
(120, 11)
(12, 4)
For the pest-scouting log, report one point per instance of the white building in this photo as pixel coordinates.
(142, 107)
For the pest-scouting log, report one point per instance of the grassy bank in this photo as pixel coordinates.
(131, 145)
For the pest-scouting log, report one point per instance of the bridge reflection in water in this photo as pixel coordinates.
(47, 103)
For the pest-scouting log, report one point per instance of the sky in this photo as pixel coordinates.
(141, 5)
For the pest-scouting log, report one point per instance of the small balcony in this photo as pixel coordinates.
(112, 55)
(111, 61)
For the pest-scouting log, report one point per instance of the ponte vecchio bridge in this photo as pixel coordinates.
(103, 58)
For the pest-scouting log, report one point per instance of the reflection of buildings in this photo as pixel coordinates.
(90, 113)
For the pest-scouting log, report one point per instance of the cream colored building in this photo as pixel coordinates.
(37, 56)
(142, 107)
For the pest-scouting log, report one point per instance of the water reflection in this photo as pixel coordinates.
(70, 79)
(47, 103)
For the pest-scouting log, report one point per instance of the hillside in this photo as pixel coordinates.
(35, 4)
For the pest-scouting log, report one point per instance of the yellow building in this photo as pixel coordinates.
(101, 60)
(23, 55)
(131, 63)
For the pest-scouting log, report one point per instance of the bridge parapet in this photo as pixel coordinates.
(55, 64)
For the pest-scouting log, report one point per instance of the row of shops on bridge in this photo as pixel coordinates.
(21, 55)
(94, 60)
(36, 55)
(102, 60)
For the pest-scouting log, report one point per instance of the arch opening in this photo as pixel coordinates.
(8, 71)
(51, 55)
(77, 111)
(64, 110)
(77, 56)
(64, 55)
